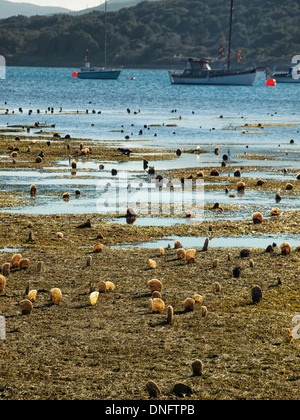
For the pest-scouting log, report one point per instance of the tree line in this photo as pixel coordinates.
(156, 34)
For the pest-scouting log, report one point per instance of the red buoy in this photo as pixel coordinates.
(74, 74)
(271, 82)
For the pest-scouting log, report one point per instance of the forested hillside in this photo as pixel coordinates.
(153, 33)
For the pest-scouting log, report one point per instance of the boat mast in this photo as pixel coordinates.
(105, 33)
(230, 35)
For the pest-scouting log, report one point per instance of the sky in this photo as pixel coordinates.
(68, 4)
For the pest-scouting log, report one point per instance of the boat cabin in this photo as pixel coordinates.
(197, 66)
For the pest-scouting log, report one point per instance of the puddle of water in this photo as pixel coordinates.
(220, 242)
(269, 175)
(96, 197)
(186, 160)
(12, 250)
(152, 221)
(92, 182)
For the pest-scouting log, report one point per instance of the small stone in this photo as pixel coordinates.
(256, 294)
(170, 314)
(26, 307)
(153, 389)
(236, 272)
(245, 252)
(182, 390)
(197, 367)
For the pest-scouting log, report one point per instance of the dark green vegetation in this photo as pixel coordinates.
(153, 33)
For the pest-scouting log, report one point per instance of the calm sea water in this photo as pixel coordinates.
(152, 93)
(161, 116)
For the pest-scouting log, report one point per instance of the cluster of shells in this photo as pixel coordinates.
(157, 304)
(26, 304)
(102, 287)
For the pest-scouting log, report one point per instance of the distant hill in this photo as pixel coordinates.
(8, 9)
(156, 34)
(112, 5)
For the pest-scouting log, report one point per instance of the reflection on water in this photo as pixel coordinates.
(12, 250)
(220, 242)
(114, 194)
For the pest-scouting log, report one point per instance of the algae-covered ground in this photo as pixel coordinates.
(109, 351)
(22, 151)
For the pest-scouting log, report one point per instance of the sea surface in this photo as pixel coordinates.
(145, 107)
(151, 93)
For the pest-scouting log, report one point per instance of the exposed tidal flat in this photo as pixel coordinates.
(74, 235)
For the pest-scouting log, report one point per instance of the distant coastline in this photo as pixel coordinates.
(154, 34)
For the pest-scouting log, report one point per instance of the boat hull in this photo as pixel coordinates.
(103, 74)
(215, 78)
(283, 79)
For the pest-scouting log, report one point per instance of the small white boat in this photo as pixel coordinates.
(88, 72)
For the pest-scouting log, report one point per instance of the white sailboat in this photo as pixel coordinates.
(199, 71)
(88, 72)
